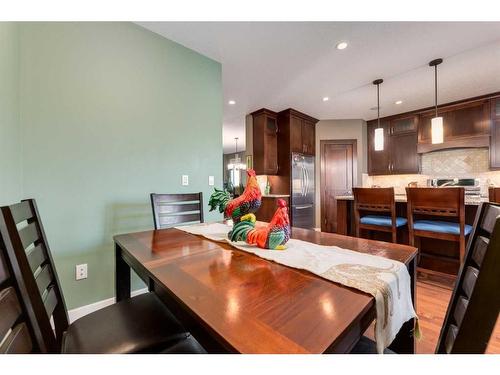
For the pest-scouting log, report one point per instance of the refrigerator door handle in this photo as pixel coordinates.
(303, 207)
(303, 180)
(307, 181)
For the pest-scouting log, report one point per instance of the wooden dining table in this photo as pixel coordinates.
(235, 302)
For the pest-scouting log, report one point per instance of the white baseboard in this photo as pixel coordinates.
(87, 309)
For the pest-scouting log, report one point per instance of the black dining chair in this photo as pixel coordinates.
(170, 210)
(475, 302)
(141, 324)
(15, 330)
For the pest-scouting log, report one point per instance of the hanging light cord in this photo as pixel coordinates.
(378, 105)
(436, 89)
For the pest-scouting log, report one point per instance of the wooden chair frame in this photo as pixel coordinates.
(172, 209)
(475, 303)
(454, 209)
(32, 264)
(379, 200)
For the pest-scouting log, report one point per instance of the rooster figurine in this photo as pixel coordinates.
(246, 203)
(274, 236)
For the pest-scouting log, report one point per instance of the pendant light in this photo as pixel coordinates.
(437, 121)
(379, 131)
(235, 163)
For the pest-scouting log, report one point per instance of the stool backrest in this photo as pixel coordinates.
(475, 303)
(447, 202)
(374, 199)
(15, 329)
(170, 210)
(28, 253)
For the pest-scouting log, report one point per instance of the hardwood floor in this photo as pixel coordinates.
(432, 301)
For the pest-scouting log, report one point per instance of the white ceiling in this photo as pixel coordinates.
(278, 65)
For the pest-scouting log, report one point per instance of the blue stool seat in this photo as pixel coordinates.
(385, 221)
(440, 226)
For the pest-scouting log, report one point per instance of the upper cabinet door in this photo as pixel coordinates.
(296, 144)
(404, 156)
(271, 146)
(379, 162)
(308, 137)
(265, 142)
(495, 134)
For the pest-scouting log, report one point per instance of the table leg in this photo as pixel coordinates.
(404, 343)
(122, 276)
(342, 218)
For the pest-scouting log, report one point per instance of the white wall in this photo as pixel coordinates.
(336, 130)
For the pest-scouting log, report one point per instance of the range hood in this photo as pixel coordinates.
(476, 141)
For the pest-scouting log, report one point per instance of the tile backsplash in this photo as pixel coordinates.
(470, 162)
(456, 163)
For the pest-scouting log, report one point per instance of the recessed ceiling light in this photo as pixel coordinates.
(326, 98)
(341, 45)
(231, 102)
(398, 102)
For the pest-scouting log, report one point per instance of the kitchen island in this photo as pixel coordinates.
(436, 255)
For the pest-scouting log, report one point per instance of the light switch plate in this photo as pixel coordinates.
(211, 181)
(185, 180)
(81, 271)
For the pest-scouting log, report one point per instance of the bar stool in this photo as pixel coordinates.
(381, 202)
(445, 203)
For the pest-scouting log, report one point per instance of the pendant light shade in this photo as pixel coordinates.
(379, 139)
(379, 131)
(437, 130)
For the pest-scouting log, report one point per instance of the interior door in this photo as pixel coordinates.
(338, 173)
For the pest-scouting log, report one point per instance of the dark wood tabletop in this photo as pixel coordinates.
(233, 301)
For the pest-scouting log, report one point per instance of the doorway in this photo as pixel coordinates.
(337, 177)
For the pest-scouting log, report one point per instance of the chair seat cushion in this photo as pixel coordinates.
(141, 324)
(368, 346)
(440, 226)
(186, 346)
(384, 221)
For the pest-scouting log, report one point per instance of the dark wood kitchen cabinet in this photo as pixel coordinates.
(404, 156)
(464, 125)
(301, 130)
(399, 155)
(378, 161)
(265, 142)
(495, 133)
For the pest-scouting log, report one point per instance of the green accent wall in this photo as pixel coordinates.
(10, 133)
(109, 113)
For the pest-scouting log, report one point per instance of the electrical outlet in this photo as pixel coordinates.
(211, 181)
(81, 271)
(185, 180)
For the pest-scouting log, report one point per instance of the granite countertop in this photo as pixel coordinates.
(402, 198)
(275, 195)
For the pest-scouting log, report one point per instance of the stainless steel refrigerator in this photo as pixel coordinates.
(302, 197)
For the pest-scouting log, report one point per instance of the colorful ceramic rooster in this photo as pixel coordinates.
(274, 236)
(246, 203)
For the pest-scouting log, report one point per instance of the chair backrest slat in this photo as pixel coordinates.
(18, 341)
(29, 235)
(173, 209)
(21, 212)
(475, 303)
(16, 336)
(36, 257)
(28, 252)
